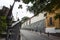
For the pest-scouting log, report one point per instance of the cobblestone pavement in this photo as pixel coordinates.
(32, 35)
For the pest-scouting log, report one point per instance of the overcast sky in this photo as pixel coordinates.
(17, 13)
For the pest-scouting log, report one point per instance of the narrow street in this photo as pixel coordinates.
(32, 35)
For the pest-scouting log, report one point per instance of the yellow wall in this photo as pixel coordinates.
(55, 22)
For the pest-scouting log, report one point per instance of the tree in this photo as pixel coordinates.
(43, 5)
(38, 5)
(57, 16)
(3, 23)
(20, 6)
(27, 1)
(53, 5)
(17, 0)
(24, 19)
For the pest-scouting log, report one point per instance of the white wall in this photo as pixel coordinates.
(35, 19)
(50, 30)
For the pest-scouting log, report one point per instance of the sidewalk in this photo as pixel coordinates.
(51, 36)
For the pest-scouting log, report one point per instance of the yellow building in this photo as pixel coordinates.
(52, 24)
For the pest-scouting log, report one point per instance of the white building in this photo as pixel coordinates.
(34, 19)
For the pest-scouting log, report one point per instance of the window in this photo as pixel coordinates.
(50, 21)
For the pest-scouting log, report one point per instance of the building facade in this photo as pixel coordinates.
(52, 22)
(4, 11)
(35, 23)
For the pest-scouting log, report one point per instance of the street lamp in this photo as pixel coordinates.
(9, 19)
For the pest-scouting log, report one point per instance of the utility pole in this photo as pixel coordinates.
(9, 19)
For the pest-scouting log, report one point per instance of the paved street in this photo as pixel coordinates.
(31, 35)
(2, 38)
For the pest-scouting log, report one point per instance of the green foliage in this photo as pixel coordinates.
(54, 4)
(38, 6)
(20, 6)
(24, 19)
(17, 0)
(3, 23)
(27, 1)
(1, 13)
(57, 16)
(43, 5)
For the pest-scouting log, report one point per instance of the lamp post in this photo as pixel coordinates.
(9, 19)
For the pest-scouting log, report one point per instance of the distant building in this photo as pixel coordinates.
(35, 23)
(4, 11)
(34, 19)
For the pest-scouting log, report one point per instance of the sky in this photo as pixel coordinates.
(17, 13)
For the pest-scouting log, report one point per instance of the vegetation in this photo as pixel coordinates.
(57, 16)
(43, 5)
(24, 19)
(3, 23)
(17, 0)
(53, 5)
(20, 6)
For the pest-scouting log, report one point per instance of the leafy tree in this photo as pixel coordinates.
(20, 6)
(24, 19)
(27, 1)
(38, 5)
(3, 23)
(53, 5)
(43, 5)
(17, 0)
(3, 16)
(57, 16)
